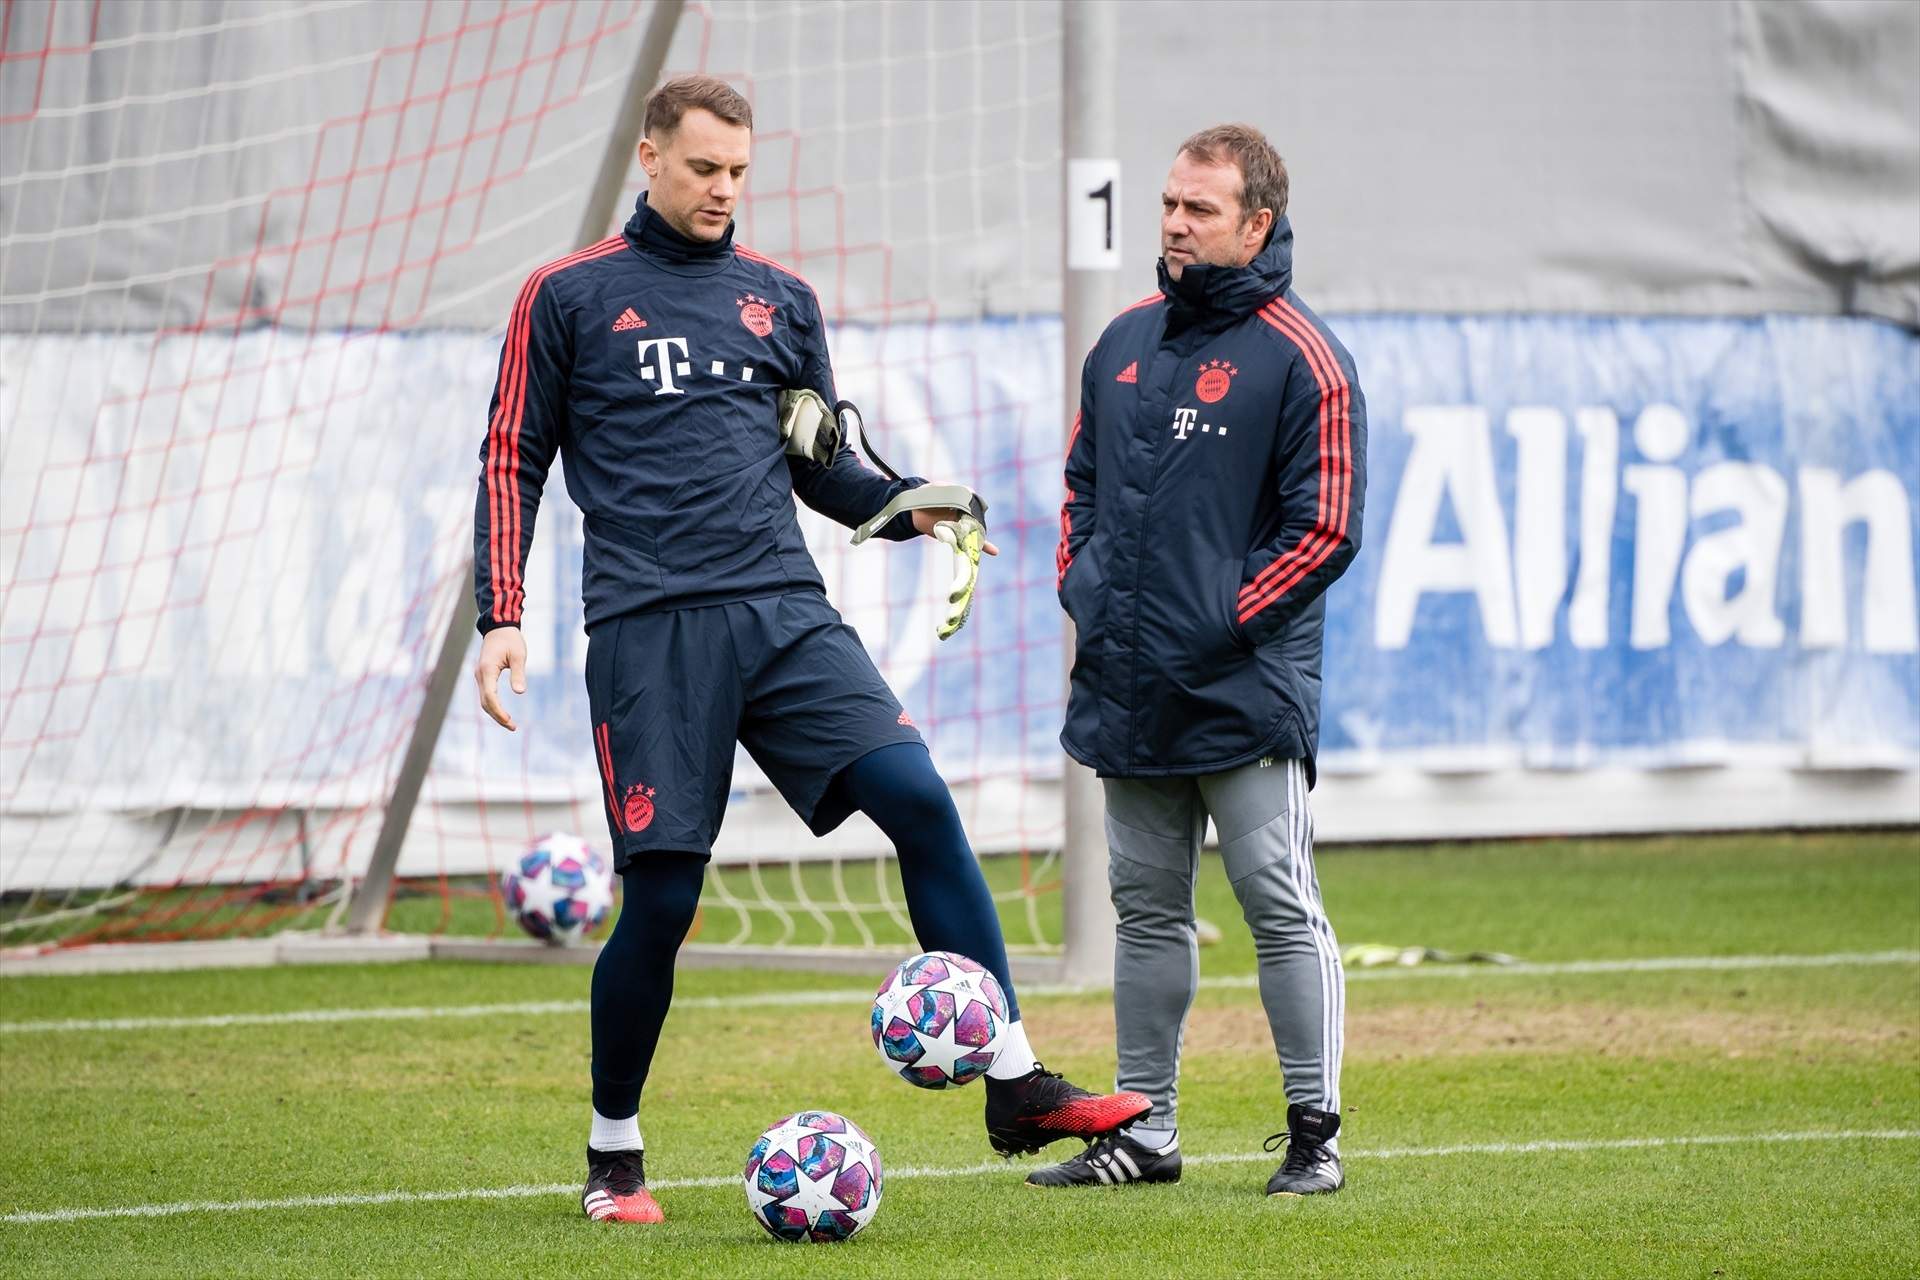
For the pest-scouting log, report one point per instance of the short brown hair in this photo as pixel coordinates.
(1263, 174)
(672, 100)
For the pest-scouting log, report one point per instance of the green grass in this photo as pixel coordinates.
(102, 1118)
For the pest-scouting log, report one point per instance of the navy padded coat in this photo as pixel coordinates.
(1215, 482)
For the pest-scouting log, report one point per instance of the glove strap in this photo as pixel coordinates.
(926, 495)
(916, 499)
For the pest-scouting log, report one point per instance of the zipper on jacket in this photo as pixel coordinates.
(1146, 523)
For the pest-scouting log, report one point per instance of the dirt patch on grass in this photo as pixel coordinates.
(1395, 1034)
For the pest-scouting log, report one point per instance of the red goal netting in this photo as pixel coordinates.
(254, 266)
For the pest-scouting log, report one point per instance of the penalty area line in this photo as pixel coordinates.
(528, 1190)
(799, 999)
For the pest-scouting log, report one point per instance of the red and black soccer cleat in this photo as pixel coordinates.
(1042, 1106)
(617, 1188)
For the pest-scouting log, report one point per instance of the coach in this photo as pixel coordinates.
(1215, 480)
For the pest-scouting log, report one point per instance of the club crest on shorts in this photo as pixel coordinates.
(1216, 379)
(638, 809)
(756, 314)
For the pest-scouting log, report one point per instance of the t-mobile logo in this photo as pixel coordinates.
(1185, 420)
(664, 367)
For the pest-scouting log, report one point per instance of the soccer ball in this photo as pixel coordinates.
(939, 1020)
(560, 890)
(813, 1176)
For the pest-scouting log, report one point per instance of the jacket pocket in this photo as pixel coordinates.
(1083, 594)
(1230, 578)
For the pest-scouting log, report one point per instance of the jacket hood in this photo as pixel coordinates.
(654, 236)
(1228, 293)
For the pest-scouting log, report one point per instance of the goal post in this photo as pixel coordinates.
(369, 901)
(1090, 299)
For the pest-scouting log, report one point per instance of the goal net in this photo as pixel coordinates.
(255, 264)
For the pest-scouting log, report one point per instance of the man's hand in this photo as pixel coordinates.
(500, 647)
(926, 518)
(959, 530)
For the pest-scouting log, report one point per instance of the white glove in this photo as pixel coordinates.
(966, 536)
(808, 427)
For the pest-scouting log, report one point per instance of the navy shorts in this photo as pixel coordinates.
(671, 692)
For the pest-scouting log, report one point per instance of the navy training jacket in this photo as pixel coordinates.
(653, 365)
(1215, 480)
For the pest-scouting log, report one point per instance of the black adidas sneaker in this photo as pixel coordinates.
(1043, 1106)
(1310, 1167)
(1112, 1161)
(617, 1188)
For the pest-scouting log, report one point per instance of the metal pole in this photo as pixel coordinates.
(370, 900)
(369, 905)
(1088, 29)
(617, 159)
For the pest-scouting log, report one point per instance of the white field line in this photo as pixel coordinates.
(790, 999)
(524, 1190)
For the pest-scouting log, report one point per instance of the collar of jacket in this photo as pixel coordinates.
(651, 234)
(1218, 295)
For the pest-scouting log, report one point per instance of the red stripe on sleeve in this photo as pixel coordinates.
(1330, 524)
(511, 357)
(1062, 558)
(1326, 380)
(503, 458)
(1307, 544)
(1335, 482)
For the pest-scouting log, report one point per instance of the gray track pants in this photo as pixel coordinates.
(1154, 830)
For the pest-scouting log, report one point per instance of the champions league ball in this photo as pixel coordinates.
(560, 890)
(939, 1020)
(813, 1176)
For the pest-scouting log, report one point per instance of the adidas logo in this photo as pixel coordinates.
(1129, 374)
(1114, 1167)
(628, 320)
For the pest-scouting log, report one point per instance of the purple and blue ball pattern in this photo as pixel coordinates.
(911, 1019)
(822, 1153)
(559, 890)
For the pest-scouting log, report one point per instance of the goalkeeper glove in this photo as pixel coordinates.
(966, 533)
(808, 428)
(966, 536)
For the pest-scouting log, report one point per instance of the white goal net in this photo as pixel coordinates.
(255, 261)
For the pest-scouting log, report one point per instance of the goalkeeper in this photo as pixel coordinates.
(683, 381)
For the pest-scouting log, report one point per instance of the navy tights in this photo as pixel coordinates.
(947, 899)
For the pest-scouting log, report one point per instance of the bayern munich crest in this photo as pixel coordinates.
(756, 314)
(1216, 379)
(637, 811)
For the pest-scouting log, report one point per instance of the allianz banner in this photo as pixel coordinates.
(1631, 541)
(1589, 542)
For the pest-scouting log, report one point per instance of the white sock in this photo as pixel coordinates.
(1159, 1141)
(1016, 1055)
(615, 1135)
